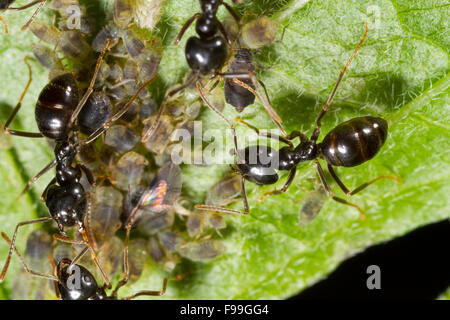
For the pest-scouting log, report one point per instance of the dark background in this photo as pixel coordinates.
(415, 266)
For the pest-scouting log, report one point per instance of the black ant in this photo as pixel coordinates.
(5, 5)
(205, 54)
(349, 144)
(57, 108)
(75, 282)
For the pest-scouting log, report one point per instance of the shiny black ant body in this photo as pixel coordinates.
(349, 144)
(57, 108)
(5, 5)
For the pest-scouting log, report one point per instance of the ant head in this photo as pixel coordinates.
(75, 282)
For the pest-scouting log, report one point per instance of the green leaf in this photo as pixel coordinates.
(400, 73)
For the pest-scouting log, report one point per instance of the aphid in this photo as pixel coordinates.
(349, 144)
(37, 253)
(5, 5)
(312, 204)
(137, 257)
(105, 217)
(56, 110)
(46, 56)
(87, 288)
(204, 250)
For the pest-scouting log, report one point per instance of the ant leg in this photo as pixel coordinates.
(361, 187)
(272, 113)
(17, 108)
(4, 22)
(25, 266)
(186, 26)
(316, 132)
(85, 241)
(230, 124)
(36, 177)
(42, 3)
(330, 193)
(11, 248)
(149, 133)
(232, 12)
(205, 207)
(284, 188)
(79, 256)
(155, 293)
(91, 84)
(126, 267)
(44, 194)
(88, 173)
(266, 134)
(116, 116)
(225, 35)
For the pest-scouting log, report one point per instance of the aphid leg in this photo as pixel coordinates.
(117, 115)
(316, 132)
(266, 103)
(330, 193)
(4, 22)
(266, 134)
(282, 35)
(17, 108)
(25, 266)
(42, 3)
(44, 194)
(230, 124)
(155, 293)
(361, 187)
(149, 133)
(205, 207)
(284, 188)
(36, 177)
(89, 90)
(11, 248)
(186, 26)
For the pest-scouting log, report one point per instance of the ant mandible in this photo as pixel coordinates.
(5, 5)
(57, 108)
(349, 144)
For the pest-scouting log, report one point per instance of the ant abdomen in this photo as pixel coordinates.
(55, 105)
(204, 55)
(354, 141)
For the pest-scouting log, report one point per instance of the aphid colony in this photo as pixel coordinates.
(114, 182)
